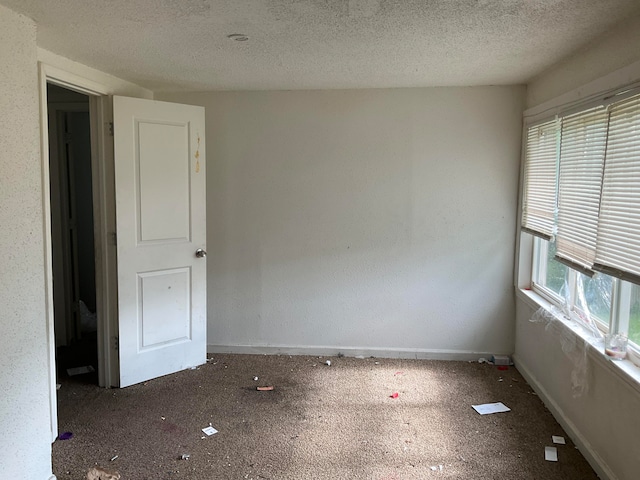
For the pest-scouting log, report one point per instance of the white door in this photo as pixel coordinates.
(161, 237)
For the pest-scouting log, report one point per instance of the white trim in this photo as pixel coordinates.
(323, 350)
(104, 232)
(49, 74)
(591, 455)
(48, 266)
(72, 81)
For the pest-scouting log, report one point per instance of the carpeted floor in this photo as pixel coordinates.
(319, 422)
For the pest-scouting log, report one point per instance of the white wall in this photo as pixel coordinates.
(604, 421)
(25, 450)
(615, 50)
(362, 221)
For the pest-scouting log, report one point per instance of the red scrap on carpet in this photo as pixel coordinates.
(394, 395)
(503, 367)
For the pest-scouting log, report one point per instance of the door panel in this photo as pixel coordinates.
(163, 167)
(165, 310)
(161, 222)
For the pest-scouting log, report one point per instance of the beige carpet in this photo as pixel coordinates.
(319, 422)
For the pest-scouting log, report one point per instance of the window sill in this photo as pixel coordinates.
(626, 369)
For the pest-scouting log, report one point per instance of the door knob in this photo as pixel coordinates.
(200, 253)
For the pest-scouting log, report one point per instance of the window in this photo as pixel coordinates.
(581, 199)
(634, 315)
(588, 297)
(552, 274)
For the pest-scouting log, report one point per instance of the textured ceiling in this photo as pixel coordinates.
(302, 44)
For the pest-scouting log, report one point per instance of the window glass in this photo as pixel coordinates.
(634, 315)
(597, 294)
(556, 271)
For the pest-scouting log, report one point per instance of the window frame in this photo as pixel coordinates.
(619, 317)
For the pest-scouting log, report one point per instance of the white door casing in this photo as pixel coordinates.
(159, 156)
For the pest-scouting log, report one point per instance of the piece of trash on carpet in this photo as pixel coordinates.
(209, 430)
(488, 408)
(501, 360)
(58, 385)
(255, 379)
(328, 363)
(113, 458)
(185, 456)
(398, 374)
(551, 454)
(435, 468)
(97, 473)
(265, 389)
(65, 436)
(394, 395)
(557, 439)
(80, 370)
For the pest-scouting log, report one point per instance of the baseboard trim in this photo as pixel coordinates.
(597, 463)
(327, 351)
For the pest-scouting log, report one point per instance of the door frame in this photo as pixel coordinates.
(100, 114)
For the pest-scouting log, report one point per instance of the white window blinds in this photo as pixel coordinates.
(618, 238)
(583, 140)
(540, 170)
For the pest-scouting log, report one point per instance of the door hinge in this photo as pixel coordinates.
(110, 128)
(116, 343)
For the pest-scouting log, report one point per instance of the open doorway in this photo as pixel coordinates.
(72, 235)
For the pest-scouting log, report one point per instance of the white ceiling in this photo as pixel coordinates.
(303, 44)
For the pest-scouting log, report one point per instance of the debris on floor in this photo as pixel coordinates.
(97, 473)
(265, 389)
(501, 360)
(328, 363)
(113, 458)
(209, 430)
(394, 395)
(435, 468)
(65, 436)
(557, 439)
(185, 456)
(488, 408)
(80, 370)
(255, 379)
(551, 454)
